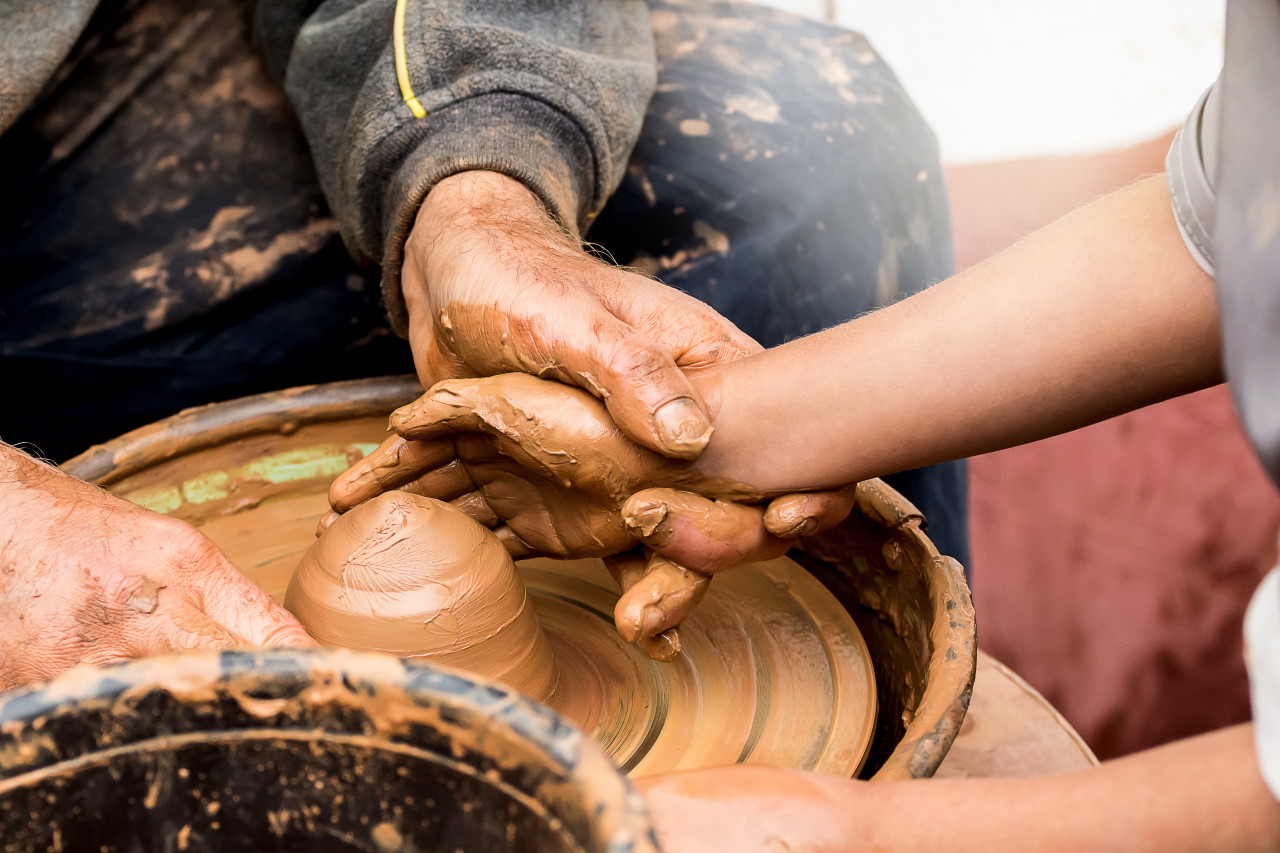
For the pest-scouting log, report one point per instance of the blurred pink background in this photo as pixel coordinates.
(1112, 565)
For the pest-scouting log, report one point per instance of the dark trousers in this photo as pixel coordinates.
(165, 243)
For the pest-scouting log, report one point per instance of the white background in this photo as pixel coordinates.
(1006, 79)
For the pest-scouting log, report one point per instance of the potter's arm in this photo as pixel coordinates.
(1201, 794)
(464, 147)
(1102, 312)
(395, 96)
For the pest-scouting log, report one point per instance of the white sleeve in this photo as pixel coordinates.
(1191, 171)
(1262, 651)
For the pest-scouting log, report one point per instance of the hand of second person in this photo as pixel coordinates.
(544, 465)
(492, 285)
(752, 809)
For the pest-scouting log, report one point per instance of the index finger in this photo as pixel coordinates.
(805, 514)
(395, 462)
(239, 605)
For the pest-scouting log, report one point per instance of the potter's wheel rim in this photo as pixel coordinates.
(924, 668)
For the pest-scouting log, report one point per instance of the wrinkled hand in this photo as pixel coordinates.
(493, 285)
(545, 466)
(88, 578)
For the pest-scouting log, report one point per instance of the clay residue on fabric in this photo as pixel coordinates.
(417, 578)
(711, 241)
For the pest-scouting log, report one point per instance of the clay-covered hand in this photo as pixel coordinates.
(712, 536)
(88, 578)
(492, 285)
(545, 466)
(545, 457)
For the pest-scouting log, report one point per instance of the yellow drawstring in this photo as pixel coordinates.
(402, 64)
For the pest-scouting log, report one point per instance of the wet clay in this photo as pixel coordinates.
(560, 432)
(417, 578)
(772, 669)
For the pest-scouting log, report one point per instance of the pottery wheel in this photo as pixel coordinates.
(774, 670)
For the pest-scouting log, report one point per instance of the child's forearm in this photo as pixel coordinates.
(1100, 313)
(1204, 794)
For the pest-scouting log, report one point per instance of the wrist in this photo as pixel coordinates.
(734, 439)
(476, 200)
(470, 223)
(30, 491)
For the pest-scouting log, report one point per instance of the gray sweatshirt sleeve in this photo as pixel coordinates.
(395, 96)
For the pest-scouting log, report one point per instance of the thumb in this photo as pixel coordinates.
(647, 394)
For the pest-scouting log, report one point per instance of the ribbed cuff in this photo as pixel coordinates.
(503, 132)
(1187, 172)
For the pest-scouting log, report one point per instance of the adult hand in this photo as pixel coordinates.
(86, 577)
(492, 285)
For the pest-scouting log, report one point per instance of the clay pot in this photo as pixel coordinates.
(321, 751)
(911, 604)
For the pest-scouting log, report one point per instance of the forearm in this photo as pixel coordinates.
(1100, 313)
(1201, 794)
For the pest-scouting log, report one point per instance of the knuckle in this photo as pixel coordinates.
(632, 358)
(190, 546)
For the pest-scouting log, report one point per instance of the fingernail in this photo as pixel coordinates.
(648, 521)
(683, 428)
(805, 526)
(653, 621)
(663, 647)
(325, 520)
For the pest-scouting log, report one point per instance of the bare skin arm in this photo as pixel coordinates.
(1201, 794)
(1100, 313)
(86, 577)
